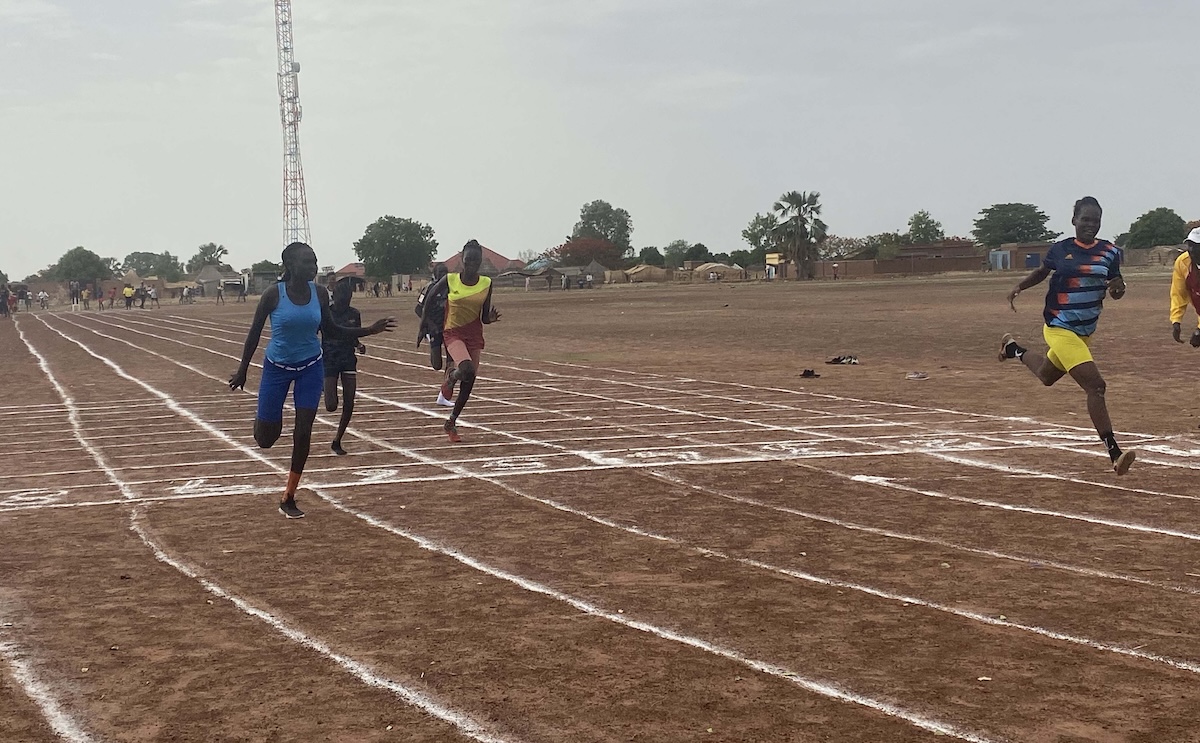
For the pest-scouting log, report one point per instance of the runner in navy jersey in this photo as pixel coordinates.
(341, 363)
(1082, 271)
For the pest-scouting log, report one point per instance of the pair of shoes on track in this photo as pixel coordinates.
(289, 509)
(1122, 463)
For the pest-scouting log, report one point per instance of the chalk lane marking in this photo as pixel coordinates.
(1178, 664)
(462, 722)
(822, 688)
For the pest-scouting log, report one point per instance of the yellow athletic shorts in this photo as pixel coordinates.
(1067, 350)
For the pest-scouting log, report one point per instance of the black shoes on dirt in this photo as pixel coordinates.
(1008, 347)
(290, 509)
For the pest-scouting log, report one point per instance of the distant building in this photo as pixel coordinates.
(951, 248)
(210, 277)
(494, 264)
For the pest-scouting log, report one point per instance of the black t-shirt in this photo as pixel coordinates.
(347, 318)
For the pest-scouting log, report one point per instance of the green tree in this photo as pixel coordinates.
(601, 221)
(392, 245)
(722, 258)
(46, 274)
(580, 251)
(923, 229)
(1012, 223)
(1161, 226)
(3, 278)
(759, 234)
(208, 254)
(163, 265)
(674, 252)
(836, 247)
(81, 264)
(800, 230)
(698, 252)
(740, 257)
(267, 267)
(651, 256)
(887, 244)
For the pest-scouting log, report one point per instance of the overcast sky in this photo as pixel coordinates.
(153, 125)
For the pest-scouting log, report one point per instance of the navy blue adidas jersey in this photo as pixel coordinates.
(1079, 280)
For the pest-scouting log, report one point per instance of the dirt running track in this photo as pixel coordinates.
(654, 530)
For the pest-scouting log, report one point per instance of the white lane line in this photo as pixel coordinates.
(819, 687)
(899, 408)
(932, 541)
(462, 722)
(795, 430)
(73, 417)
(975, 616)
(362, 672)
(1142, 528)
(22, 671)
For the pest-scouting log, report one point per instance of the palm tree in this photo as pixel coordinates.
(800, 229)
(208, 254)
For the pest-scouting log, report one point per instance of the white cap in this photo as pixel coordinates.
(1194, 236)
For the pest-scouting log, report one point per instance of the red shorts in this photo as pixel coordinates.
(464, 342)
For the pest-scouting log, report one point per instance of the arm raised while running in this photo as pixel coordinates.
(266, 305)
(489, 314)
(1037, 276)
(431, 293)
(428, 294)
(330, 329)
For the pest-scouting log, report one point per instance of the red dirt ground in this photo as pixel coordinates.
(654, 530)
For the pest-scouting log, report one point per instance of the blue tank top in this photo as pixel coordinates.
(294, 328)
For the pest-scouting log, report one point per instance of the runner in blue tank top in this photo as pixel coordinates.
(297, 308)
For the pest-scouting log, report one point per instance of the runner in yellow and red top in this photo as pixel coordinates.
(1185, 287)
(468, 309)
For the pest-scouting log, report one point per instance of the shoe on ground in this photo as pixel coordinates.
(1124, 462)
(452, 431)
(1008, 338)
(290, 509)
(443, 401)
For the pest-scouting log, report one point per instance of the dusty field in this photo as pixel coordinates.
(654, 530)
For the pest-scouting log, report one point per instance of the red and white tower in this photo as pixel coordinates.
(295, 203)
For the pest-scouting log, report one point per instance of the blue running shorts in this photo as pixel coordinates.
(308, 378)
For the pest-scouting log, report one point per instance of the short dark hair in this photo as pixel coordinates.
(472, 245)
(1086, 201)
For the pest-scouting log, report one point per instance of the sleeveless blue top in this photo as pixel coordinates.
(294, 329)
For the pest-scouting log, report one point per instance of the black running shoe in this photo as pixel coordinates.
(288, 508)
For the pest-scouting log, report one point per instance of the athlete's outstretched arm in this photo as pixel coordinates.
(428, 294)
(490, 314)
(330, 329)
(266, 305)
(1037, 276)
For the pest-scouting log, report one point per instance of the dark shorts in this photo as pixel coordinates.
(340, 362)
(307, 380)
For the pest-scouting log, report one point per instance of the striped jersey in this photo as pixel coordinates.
(1077, 286)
